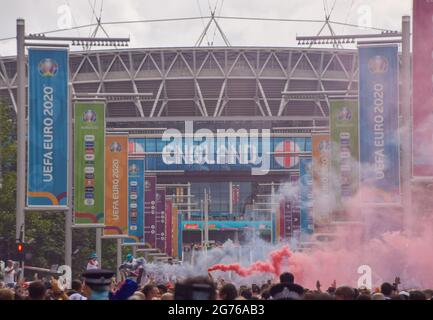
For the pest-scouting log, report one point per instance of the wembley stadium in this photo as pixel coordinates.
(280, 89)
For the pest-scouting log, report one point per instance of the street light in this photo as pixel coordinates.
(388, 37)
(41, 40)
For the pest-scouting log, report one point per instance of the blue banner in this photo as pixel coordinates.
(135, 201)
(47, 178)
(306, 193)
(284, 154)
(379, 137)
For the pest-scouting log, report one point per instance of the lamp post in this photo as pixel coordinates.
(40, 40)
(393, 37)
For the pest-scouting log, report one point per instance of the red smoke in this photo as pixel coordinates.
(273, 265)
(389, 252)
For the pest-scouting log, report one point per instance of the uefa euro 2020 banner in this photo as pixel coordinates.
(135, 200)
(116, 185)
(160, 220)
(47, 178)
(306, 192)
(150, 210)
(344, 151)
(422, 88)
(89, 141)
(321, 150)
(378, 113)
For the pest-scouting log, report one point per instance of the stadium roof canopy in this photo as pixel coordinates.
(203, 83)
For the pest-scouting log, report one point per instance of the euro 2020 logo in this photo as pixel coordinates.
(48, 67)
(89, 116)
(133, 169)
(378, 65)
(345, 114)
(115, 147)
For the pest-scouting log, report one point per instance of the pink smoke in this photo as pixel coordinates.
(390, 243)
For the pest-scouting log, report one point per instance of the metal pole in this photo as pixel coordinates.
(206, 219)
(189, 201)
(202, 220)
(274, 212)
(68, 213)
(231, 197)
(119, 257)
(1, 160)
(254, 221)
(99, 245)
(406, 121)
(21, 133)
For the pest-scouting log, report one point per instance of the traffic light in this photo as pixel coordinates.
(20, 251)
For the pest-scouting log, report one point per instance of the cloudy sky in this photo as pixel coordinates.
(47, 15)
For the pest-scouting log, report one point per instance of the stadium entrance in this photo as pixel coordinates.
(241, 203)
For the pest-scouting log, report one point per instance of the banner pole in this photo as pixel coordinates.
(99, 245)
(21, 135)
(119, 257)
(406, 121)
(68, 213)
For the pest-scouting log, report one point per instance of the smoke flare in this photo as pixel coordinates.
(273, 265)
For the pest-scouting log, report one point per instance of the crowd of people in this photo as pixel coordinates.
(98, 284)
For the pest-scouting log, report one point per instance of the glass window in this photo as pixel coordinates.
(150, 144)
(308, 144)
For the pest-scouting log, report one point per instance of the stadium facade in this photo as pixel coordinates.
(238, 88)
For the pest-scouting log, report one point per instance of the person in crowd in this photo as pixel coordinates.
(387, 290)
(404, 295)
(417, 295)
(21, 292)
(7, 294)
(228, 292)
(167, 296)
(265, 294)
(37, 291)
(151, 292)
(140, 294)
(317, 296)
(135, 297)
(199, 288)
(246, 293)
(97, 284)
(9, 274)
(92, 262)
(127, 289)
(255, 289)
(284, 291)
(378, 296)
(76, 292)
(162, 289)
(56, 292)
(344, 293)
(287, 277)
(428, 294)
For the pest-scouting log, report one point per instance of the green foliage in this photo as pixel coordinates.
(44, 231)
